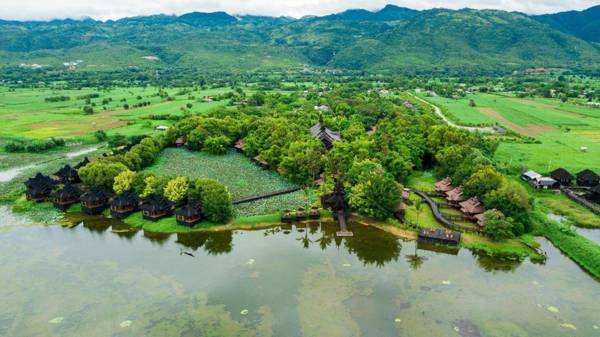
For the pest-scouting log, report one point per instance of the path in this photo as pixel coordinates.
(266, 195)
(439, 216)
(446, 120)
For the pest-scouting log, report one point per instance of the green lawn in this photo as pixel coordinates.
(26, 114)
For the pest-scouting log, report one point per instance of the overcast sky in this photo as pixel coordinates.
(113, 9)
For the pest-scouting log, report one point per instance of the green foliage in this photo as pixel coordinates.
(512, 200)
(376, 194)
(483, 181)
(123, 182)
(302, 162)
(217, 145)
(33, 146)
(101, 173)
(497, 226)
(176, 189)
(215, 199)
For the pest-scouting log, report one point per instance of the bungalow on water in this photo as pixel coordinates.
(587, 178)
(442, 236)
(328, 137)
(562, 176)
(471, 208)
(156, 208)
(67, 174)
(123, 205)
(39, 188)
(190, 214)
(66, 196)
(94, 201)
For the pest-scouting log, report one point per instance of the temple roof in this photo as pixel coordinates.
(455, 194)
(319, 131)
(69, 191)
(95, 195)
(472, 206)
(39, 181)
(66, 172)
(157, 203)
(444, 185)
(126, 199)
(192, 209)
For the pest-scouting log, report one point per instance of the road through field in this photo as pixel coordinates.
(446, 120)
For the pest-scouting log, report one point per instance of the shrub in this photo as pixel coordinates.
(101, 173)
(216, 144)
(497, 226)
(176, 189)
(216, 200)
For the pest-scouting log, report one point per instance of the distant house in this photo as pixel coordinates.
(240, 146)
(94, 201)
(66, 196)
(546, 183)
(562, 176)
(587, 178)
(39, 188)
(530, 176)
(480, 218)
(328, 137)
(471, 207)
(162, 128)
(535, 71)
(322, 108)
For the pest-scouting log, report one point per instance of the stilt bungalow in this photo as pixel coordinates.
(314, 214)
(455, 196)
(442, 236)
(471, 207)
(337, 203)
(82, 163)
(123, 205)
(444, 186)
(156, 208)
(328, 137)
(190, 214)
(286, 216)
(39, 188)
(562, 176)
(66, 196)
(67, 174)
(301, 214)
(94, 201)
(239, 146)
(587, 178)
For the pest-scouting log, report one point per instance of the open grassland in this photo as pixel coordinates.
(562, 129)
(26, 114)
(241, 176)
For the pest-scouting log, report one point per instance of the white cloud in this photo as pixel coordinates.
(112, 9)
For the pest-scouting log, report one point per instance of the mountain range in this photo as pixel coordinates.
(393, 39)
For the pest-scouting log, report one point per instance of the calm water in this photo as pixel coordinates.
(98, 279)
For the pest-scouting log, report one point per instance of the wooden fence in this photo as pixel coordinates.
(266, 195)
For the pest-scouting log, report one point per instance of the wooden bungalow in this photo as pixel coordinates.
(286, 216)
(239, 146)
(562, 176)
(179, 142)
(94, 201)
(442, 236)
(325, 135)
(156, 208)
(594, 193)
(314, 213)
(455, 196)
(67, 174)
(66, 196)
(471, 207)
(301, 214)
(444, 185)
(124, 205)
(587, 178)
(190, 214)
(480, 218)
(39, 188)
(82, 163)
(260, 162)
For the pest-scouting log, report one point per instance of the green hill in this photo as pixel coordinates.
(583, 24)
(392, 39)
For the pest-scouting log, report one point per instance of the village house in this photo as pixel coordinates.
(190, 214)
(546, 183)
(587, 178)
(240, 146)
(530, 176)
(470, 208)
(94, 201)
(66, 196)
(455, 196)
(444, 185)
(562, 176)
(39, 187)
(442, 236)
(66, 174)
(156, 208)
(594, 193)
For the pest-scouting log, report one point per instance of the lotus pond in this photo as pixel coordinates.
(100, 278)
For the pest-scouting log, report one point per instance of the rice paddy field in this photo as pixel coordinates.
(242, 177)
(562, 129)
(26, 114)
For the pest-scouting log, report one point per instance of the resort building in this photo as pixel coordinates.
(39, 187)
(325, 135)
(594, 193)
(124, 205)
(562, 176)
(442, 236)
(455, 195)
(156, 208)
(66, 196)
(67, 174)
(444, 186)
(530, 176)
(471, 207)
(190, 214)
(94, 201)
(587, 178)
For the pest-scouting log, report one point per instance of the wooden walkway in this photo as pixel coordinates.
(266, 195)
(439, 216)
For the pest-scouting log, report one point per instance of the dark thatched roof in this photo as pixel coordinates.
(67, 172)
(83, 163)
(125, 200)
(192, 209)
(69, 191)
(39, 181)
(561, 174)
(95, 195)
(587, 175)
(157, 203)
(336, 200)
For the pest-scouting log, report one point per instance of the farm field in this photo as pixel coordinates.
(561, 128)
(26, 114)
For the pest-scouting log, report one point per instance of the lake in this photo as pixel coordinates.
(99, 278)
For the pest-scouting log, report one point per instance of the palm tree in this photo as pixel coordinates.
(415, 260)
